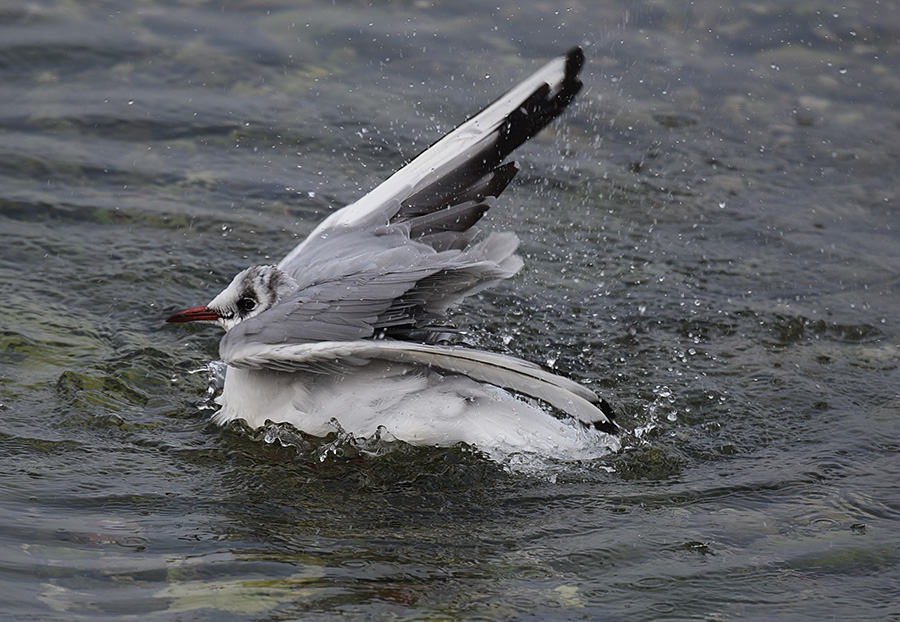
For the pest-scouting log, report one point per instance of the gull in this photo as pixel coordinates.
(345, 333)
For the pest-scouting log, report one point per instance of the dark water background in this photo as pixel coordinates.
(712, 239)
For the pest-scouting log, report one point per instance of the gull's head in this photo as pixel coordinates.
(251, 292)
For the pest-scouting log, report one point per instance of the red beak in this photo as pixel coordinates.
(194, 314)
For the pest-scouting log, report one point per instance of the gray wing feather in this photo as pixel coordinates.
(366, 282)
(497, 369)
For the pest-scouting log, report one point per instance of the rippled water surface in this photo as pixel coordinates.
(712, 241)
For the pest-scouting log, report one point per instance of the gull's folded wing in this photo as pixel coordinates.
(497, 369)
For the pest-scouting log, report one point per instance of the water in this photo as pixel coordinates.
(711, 243)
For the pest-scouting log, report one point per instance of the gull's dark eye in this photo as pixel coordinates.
(246, 305)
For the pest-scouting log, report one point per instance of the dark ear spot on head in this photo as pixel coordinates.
(277, 279)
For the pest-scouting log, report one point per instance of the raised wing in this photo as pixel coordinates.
(449, 186)
(497, 369)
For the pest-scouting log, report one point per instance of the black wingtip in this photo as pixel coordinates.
(571, 85)
(606, 426)
(574, 61)
(540, 108)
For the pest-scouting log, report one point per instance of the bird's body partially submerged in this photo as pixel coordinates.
(342, 334)
(412, 403)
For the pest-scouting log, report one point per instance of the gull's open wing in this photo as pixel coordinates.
(448, 186)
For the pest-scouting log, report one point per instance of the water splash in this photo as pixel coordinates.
(662, 407)
(215, 373)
